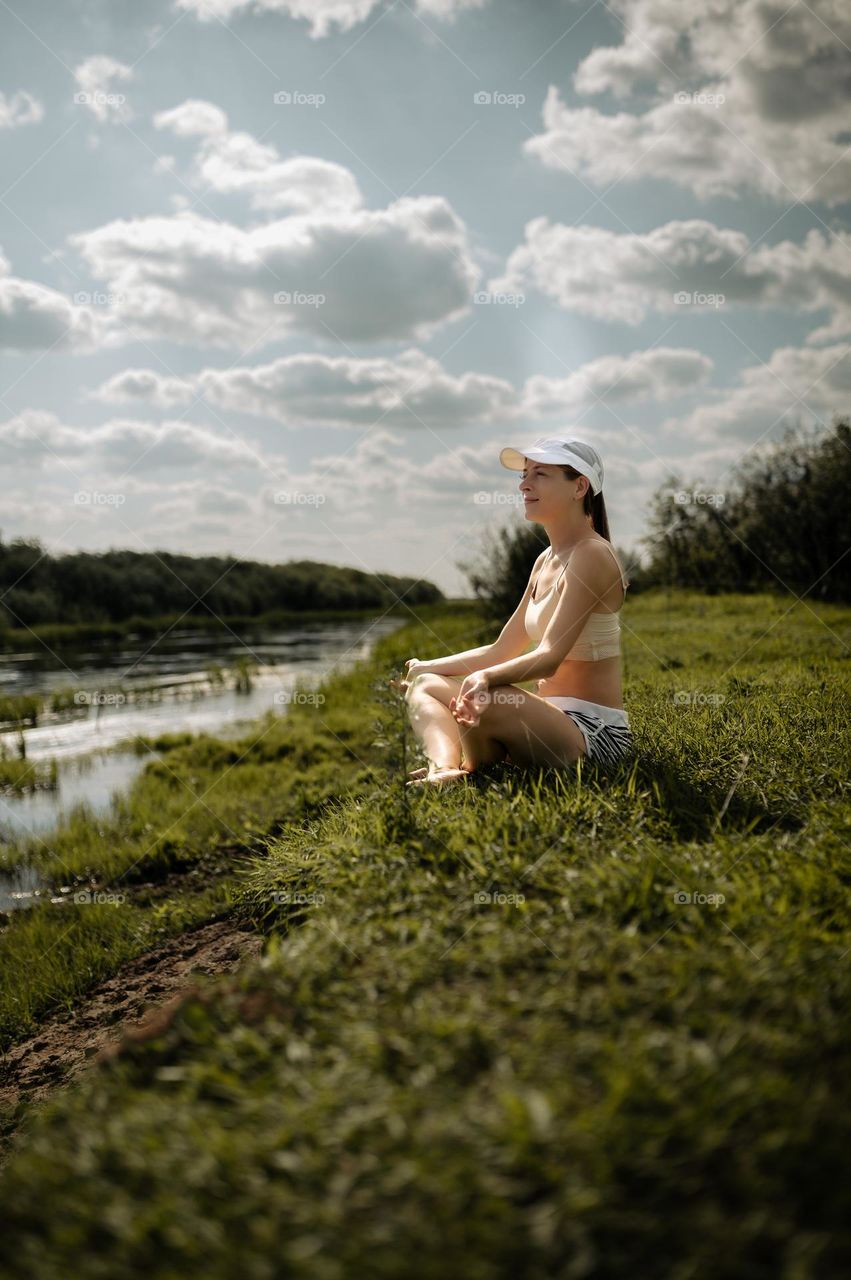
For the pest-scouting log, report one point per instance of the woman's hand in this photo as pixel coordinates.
(473, 697)
(414, 667)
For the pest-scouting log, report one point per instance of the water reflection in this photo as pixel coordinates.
(185, 700)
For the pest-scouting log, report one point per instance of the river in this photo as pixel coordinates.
(168, 689)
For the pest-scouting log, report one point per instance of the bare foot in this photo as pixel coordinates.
(418, 773)
(439, 776)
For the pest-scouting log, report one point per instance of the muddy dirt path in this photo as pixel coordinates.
(128, 1001)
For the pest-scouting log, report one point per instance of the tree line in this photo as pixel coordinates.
(114, 586)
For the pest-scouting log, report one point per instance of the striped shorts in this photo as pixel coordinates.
(608, 737)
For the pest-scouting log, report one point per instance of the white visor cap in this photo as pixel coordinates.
(583, 457)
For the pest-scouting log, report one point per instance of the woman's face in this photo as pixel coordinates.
(542, 486)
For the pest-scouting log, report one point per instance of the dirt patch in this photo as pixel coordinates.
(122, 1005)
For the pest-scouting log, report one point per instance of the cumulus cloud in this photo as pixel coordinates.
(660, 373)
(94, 79)
(145, 386)
(410, 390)
(361, 276)
(34, 437)
(235, 162)
(324, 15)
(34, 317)
(729, 80)
(331, 269)
(377, 480)
(681, 266)
(796, 385)
(18, 109)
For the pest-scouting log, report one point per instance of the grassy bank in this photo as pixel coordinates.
(189, 818)
(552, 1024)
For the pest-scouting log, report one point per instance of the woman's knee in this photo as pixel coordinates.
(433, 685)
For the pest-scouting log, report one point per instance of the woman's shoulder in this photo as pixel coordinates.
(595, 554)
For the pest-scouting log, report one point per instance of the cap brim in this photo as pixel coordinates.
(514, 459)
(511, 458)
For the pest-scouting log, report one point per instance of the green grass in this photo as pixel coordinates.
(49, 960)
(19, 775)
(489, 1037)
(207, 801)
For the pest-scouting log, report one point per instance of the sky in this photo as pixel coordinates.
(280, 278)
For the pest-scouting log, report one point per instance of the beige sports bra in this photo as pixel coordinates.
(599, 638)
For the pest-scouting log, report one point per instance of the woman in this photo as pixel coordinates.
(467, 709)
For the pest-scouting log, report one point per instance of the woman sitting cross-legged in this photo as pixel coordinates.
(467, 709)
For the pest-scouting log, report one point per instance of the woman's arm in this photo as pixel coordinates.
(457, 664)
(537, 665)
(511, 641)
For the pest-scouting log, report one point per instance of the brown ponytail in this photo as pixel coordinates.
(593, 505)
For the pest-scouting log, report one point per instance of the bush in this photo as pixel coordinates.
(784, 523)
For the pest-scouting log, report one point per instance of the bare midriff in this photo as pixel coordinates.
(598, 681)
